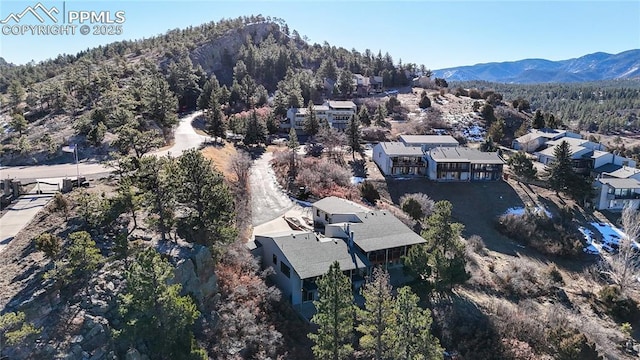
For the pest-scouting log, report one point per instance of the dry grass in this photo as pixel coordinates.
(221, 155)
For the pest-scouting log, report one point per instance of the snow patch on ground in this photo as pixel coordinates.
(538, 210)
(591, 247)
(611, 235)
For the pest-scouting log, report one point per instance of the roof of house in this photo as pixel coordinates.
(429, 139)
(607, 168)
(463, 154)
(311, 256)
(623, 172)
(545, 133)
(576, 150)
(303, 111)
(629, 183)
(598, 154)
(381, 230)
(336, 205)
(573, 142)
(396, 148)
(342, 104)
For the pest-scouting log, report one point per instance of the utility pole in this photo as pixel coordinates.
(75, 148)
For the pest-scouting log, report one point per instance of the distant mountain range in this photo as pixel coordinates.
(592, 67)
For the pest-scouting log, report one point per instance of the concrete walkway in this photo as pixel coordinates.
(19, 215)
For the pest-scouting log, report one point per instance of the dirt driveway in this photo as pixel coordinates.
(475, 204)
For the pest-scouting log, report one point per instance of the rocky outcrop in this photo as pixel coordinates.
(197, 276)
(211, 54)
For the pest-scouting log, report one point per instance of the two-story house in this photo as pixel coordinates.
(334, 113)
(407, 156)
(463, 164)
(354, 235)
(615, 194)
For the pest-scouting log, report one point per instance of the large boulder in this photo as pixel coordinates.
(197, 276)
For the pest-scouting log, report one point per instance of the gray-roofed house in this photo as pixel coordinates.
(298, 259)
(352, 234)
(396, 158)
(463, 164)
(428, 142)
(616, 193)
(406, 157)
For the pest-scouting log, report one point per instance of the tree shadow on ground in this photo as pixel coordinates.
(477, 205)
(359, 168)
(464, 328)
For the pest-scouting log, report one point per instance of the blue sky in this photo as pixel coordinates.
(435, 33)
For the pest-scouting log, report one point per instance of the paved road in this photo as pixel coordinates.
(19, 215)
(26, 208)
(268, 201)
(185, 138)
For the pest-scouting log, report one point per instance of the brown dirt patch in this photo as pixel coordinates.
(221, 155)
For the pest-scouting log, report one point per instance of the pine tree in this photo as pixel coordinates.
(16, 92)
(293, 143)
(364, 116)
(82, 258)
(440, 261)
(215, 118)
(334, 316)
(160, 103)
(208, 203)
(538, 120)
(381, 115)
(18, 123)
(378, 319)
(413, 325)
(153, 310)
(560, 171)
(157, 178)
(310, 124)
(551, 122)
(353, 135)
(256, 130)
(522, 166)
(496, 130)
(14, 329)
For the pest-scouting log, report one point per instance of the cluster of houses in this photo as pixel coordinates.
(437, 157)
(354, 235)
(617, 180)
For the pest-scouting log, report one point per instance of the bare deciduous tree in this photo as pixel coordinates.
(623, 268)
(240, 165)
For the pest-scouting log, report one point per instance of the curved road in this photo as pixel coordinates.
(185, 138)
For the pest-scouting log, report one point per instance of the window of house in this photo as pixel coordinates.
(318, 212)
(285, 269)
(275, 259)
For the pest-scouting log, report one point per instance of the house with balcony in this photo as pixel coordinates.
(395, 158)
(615, 193)
(463, 164)
(406, 157)
(334, 113)
(352, 234)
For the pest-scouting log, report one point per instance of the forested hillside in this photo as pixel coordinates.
(604, 107)
(88, 98)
